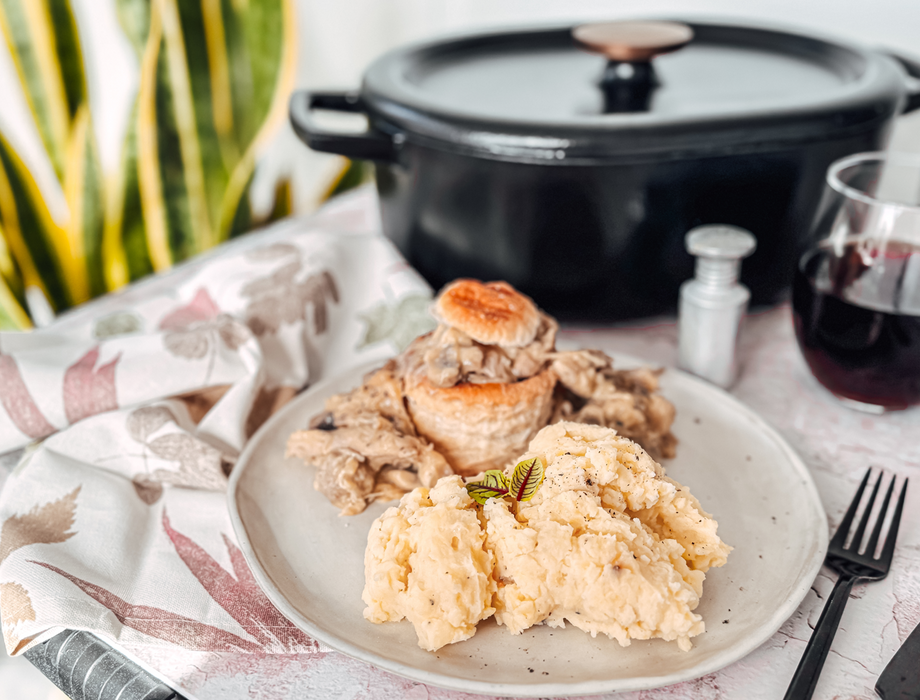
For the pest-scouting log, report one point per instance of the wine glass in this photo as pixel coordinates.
(856, 294)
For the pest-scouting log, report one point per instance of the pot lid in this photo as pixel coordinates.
(543, 95)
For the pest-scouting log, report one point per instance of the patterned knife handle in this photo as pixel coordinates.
(86, 668)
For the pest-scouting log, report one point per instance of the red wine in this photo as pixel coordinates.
(857, 320)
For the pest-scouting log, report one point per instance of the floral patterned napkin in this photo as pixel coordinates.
(132, 411)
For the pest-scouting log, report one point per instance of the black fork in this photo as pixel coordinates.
(852, 567)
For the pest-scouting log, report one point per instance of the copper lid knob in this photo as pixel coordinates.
(632, 42)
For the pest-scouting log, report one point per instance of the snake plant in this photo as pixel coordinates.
(214, 80)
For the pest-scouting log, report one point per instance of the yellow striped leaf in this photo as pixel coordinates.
(192, 77)
(245, 123)
(9, 271)
(236, 214)
(126, 254)
(83, 189)
(124, 249)
(212, 86)
(269, 29)
(283, 204)
(181, 170)
(243, 220)
(134, 17)
(45, 46)
(12, 315)
(219, 30)
(250, 48)
(38, 245)
(260, 45)
(150, 178)
(353, 173)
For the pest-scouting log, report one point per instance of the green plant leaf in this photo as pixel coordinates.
(124, 249)
(45, 47)
(83, 189)
(226, 63)
(134, 17)
(245, 120)
(268, 31)
(179, 163)
(12, 316)
(495, 478)
(235, 212)
(494, 484)
(282, 202)
(259, 68)
(204, 78)
(481, 493)
(527, 478)
(9, 270)
(242, 221)
(354, 173)
(38, 245)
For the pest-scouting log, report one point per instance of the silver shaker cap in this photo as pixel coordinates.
(720, 241)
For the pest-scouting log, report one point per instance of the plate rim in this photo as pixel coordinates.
(537, 689)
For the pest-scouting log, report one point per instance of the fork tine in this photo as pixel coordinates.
(888, 551)
(877, 530)
(840, 537)
(864, 520)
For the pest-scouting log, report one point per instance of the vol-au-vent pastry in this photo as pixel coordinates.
(468, 397)
(481, 385)
(608, 543)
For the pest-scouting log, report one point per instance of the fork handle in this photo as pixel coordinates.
(806, 675)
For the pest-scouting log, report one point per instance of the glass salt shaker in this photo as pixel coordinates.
(713, 303)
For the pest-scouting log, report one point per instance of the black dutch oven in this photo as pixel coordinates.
(575, 175)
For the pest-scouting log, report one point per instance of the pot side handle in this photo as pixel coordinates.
(368, 145)
(912, 68)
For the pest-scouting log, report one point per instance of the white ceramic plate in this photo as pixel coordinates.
(310, 561)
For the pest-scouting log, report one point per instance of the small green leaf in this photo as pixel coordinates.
(527, 477)
(494, 484)
(496, 479)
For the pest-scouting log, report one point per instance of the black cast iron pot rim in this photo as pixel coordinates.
(652, 150)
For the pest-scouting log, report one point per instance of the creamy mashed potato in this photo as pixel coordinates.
(426, 561)
(608, 543)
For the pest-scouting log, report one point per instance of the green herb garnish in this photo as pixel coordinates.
(524, 482)
(527, 478)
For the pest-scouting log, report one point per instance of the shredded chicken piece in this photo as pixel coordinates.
(450, 356)
(377, 401)
(365, 446)
(593, 392)
(354, 463)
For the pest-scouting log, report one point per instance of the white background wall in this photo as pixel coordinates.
(339, 38)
